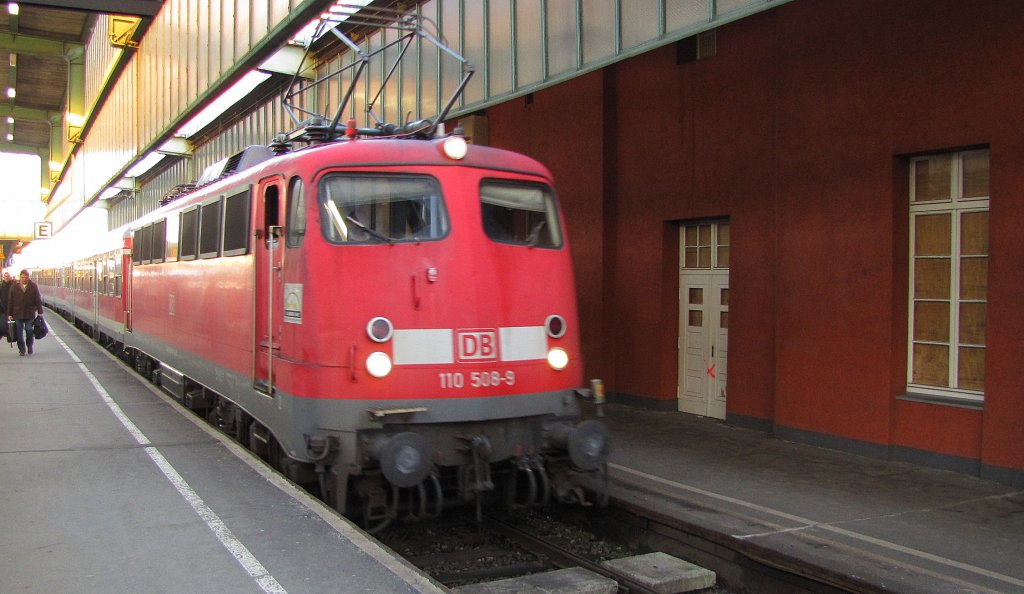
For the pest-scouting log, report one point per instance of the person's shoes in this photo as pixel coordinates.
(21, 353)
(30, 350)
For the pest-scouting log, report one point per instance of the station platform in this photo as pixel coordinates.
(105, 486)
(860, 524)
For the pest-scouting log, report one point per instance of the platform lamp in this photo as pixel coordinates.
(75, 124)
(12, 77)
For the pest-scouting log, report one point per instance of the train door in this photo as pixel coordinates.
(704, 319)
(269, 252)
(98, 274)
(126, 280)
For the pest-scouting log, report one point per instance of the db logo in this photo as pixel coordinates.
(477, 345)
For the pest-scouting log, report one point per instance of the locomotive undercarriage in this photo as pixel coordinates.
(413, 472)
(408, 471)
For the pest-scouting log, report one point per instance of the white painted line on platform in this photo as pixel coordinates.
(249, 563)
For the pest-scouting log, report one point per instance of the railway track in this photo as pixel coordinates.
(457, 550)
(566, 557)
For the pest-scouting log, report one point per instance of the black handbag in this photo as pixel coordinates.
(39, 328)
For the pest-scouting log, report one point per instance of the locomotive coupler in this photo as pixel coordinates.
(481, 447)
(476, 477)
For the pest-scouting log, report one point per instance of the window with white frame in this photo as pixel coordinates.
(706, 245)
(949, 201)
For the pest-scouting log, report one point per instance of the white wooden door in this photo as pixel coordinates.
(704, 344)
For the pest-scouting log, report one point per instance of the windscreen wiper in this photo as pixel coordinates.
(368, 230)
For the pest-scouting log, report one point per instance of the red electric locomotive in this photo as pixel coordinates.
(388, 312)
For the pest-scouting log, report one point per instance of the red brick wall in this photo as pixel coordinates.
(798, 131)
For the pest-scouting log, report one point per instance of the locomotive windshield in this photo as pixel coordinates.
(520, 213)
(381, 209)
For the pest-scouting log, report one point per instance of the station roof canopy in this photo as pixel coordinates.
(37, 41)
(139, 8)
(34, 44)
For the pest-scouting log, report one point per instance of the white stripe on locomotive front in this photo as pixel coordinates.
(436, 346)
(420, 347)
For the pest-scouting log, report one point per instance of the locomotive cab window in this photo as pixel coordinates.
(369, 209)
(296, 213)
(520, 214)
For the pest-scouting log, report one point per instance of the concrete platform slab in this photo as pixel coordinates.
(664, 573)
(574, 580)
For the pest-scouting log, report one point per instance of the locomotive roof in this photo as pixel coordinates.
(390, 152)
(396, 152)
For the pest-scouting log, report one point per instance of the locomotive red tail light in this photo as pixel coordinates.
(380, 329)
(555, 326)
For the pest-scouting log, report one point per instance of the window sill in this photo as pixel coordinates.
(942, 400)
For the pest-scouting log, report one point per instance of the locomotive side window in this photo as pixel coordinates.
(136, 249)
(296, 213)
(158, 240)
(146, 244)
(520, 213)
(236, 224)
(171, 237)
(209, 229)
(118, 275)
(381, 209)
(189, 234)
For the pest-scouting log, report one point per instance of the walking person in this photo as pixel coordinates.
(5, 288)
(24, 303)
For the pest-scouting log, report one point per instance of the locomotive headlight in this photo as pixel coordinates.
(558, 359)
(455, 147)
(378, 364)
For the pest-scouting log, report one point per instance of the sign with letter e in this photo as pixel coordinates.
(44, 230)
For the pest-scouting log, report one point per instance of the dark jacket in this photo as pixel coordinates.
(24, 304)
(5, 287)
